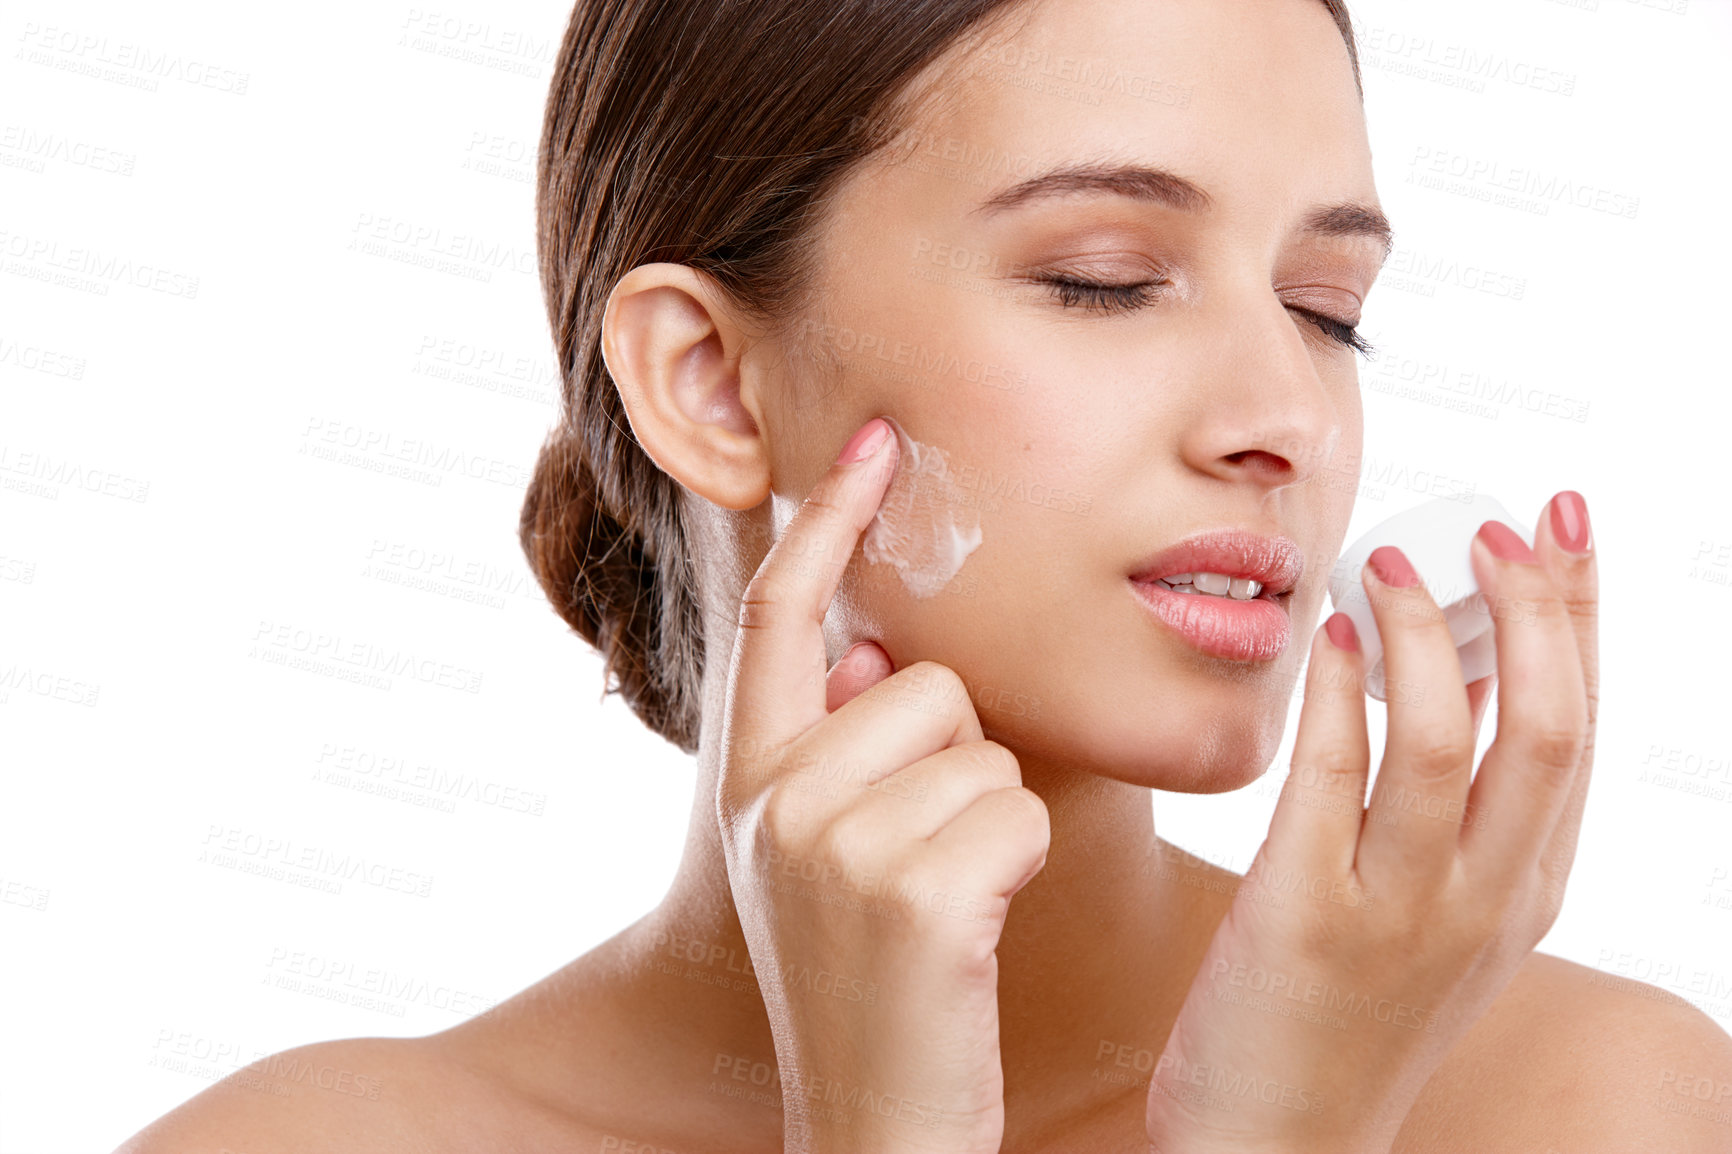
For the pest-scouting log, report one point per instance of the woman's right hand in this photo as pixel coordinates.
(873, 844)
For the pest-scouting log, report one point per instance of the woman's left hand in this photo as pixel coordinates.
(1365, 941)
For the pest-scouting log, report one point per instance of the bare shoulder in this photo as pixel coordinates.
(382, 1095)
(360, 1086)
(1567, 1059)
(1570, 1058)
(563, 1065)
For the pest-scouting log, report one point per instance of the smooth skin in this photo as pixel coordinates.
(900, 877)
(1463, 903)
(1461, 899)
(1220, 400)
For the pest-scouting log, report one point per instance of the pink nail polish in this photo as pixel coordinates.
(1390, 566)
(1570, 522)
(1505, 543)
(1341, 632)
(864, 442)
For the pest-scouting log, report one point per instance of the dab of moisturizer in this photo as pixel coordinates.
(925, 527)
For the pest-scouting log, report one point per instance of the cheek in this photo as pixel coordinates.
(1337, 478)
(927, 525)
(974, 537)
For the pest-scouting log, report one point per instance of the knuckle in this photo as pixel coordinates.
(1526, 595)
(1333, 771)
(1548, 904)
(1550, 607)
(918, 874)
(1554, 745)
(758, 603)
(1406, 610)
(1438, 756)
(730, 800)
(1024, 807)
(782, 816)
(819, 505)
(843, 839)
(936, 675)
(1583, 608)
(998, 762)
(934, 682)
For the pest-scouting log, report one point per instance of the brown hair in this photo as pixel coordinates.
(707, 133)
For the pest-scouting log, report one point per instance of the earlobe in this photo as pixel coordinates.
(673, 349)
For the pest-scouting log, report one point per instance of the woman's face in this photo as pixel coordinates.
(1224, 167)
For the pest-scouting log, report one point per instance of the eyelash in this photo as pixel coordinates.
(1337, 331)
(1112, 298)
(1104, 297)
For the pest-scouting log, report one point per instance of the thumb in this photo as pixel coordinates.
(863, 666)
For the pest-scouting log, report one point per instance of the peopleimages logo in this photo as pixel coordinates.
(1489, 175)
(279, 858)
(1424, 272)
(49, 472)
(274, 642)
(43, 258)
(346, 443)
(137, 65)
(1459, 65)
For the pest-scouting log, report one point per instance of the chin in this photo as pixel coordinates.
(1232, 744)
(1193, 745)
(1223, 755)
(1222, 730)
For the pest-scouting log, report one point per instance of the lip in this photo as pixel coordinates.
(1258, 629)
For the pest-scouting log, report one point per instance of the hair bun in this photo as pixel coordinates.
(602, 579)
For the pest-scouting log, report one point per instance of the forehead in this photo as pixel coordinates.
(1254, 100)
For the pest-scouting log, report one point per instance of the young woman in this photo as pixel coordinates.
(1099, 264)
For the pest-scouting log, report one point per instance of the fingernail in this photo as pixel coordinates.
(1570, 522)
(864, 442)
(1341, 632)
(1505, 543)
(1389, 565)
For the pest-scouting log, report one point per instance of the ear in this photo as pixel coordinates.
(674, 349)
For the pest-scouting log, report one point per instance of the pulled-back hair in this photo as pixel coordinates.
(708, 133)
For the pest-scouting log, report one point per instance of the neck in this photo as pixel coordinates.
(1095, 959)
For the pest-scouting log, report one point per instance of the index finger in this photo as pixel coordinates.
(776, 678)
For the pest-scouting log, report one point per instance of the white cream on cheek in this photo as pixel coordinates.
(925, 527)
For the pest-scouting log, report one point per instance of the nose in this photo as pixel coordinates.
(1264, 414)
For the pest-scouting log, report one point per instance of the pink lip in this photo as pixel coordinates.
(1254, 630)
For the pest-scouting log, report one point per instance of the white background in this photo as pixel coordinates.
(168, 535)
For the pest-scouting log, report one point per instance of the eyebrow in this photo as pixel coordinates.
(1352, 220)
(1160, 186)
(1139, 182)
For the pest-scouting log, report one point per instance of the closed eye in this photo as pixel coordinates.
(1336, 330)
(1073, 292)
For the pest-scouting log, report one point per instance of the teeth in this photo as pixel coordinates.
(1217, 583)
(1213, 585)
